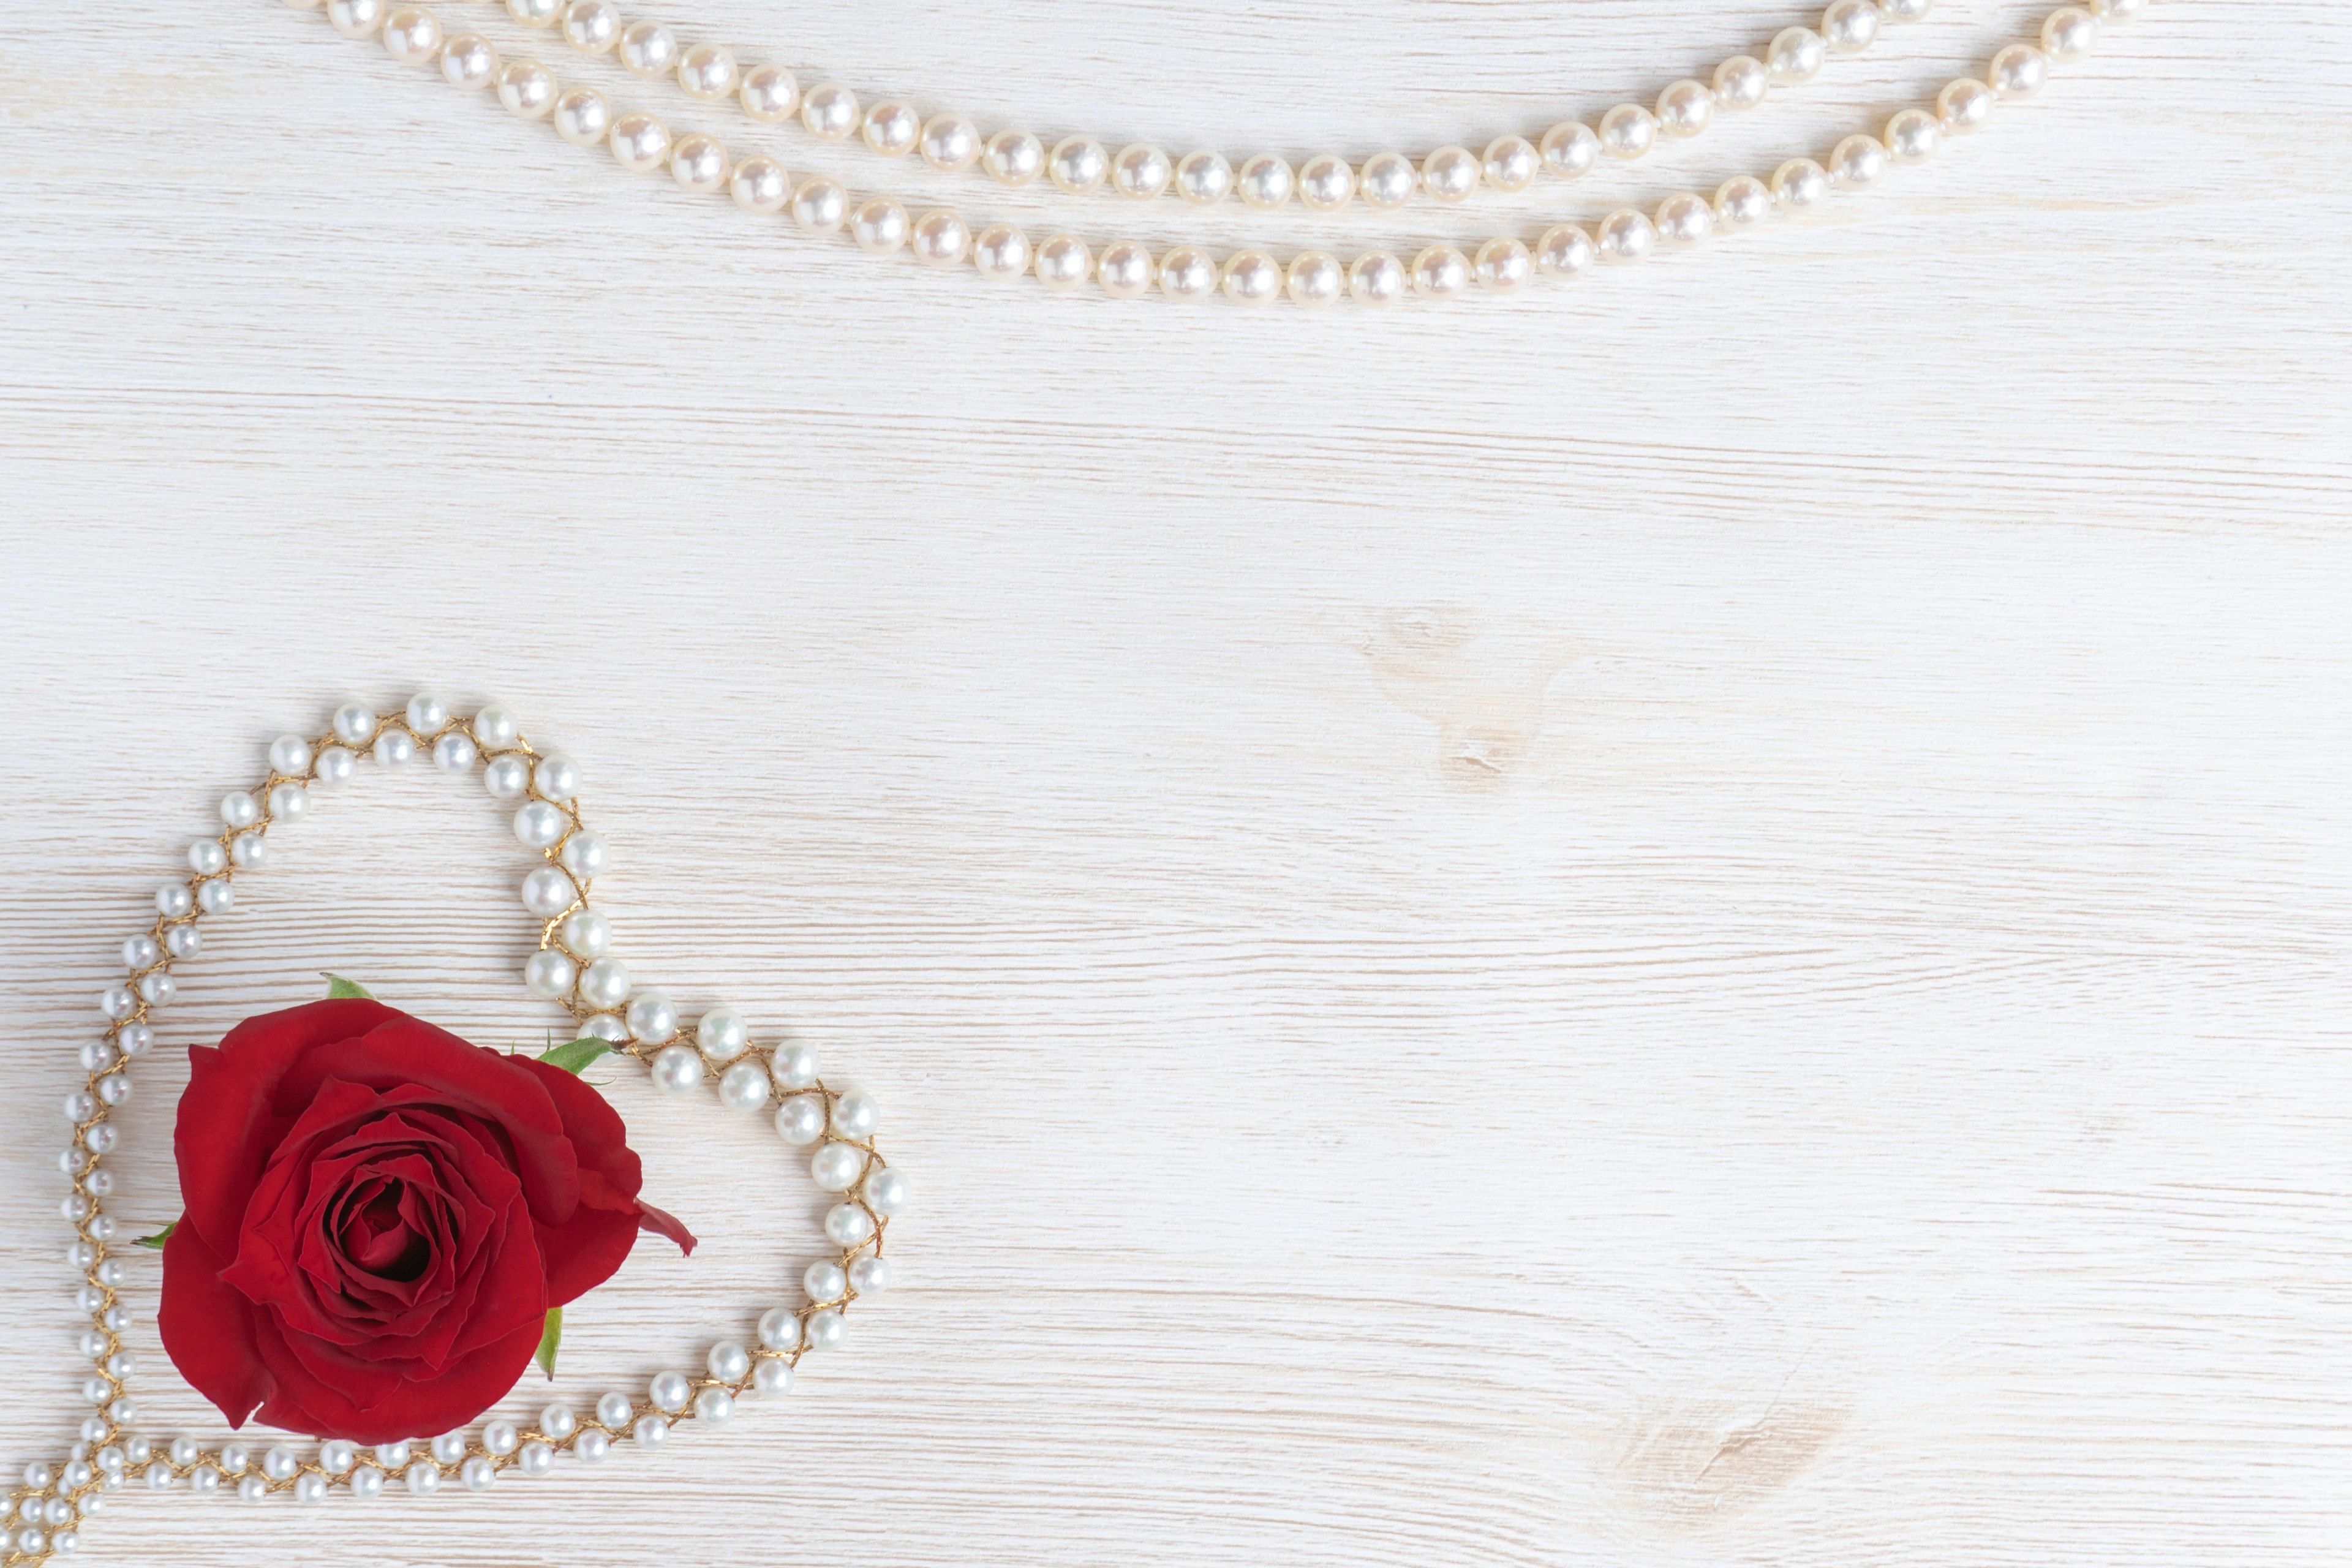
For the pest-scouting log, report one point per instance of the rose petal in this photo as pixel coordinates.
(207, 1327)
(391, 1408)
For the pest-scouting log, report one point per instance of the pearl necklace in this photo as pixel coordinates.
(1127, 270)
(572, 969)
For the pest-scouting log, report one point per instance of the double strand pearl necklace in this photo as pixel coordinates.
(571, 968)
(1127, 270)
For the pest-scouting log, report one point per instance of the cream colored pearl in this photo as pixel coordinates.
(535, 13)
(1316, 279)
(1625, 236)
(1012, 158)
(950, 142)
(1125, 270)
(412, 34)
(1798, 184)
(708, 71)
(1205, 179)
(2018, 71)
(1857, 162)
(1440, 272)
(1570, 149)
(892, 129)
(1388, 180)
(1188, 272)
(1904, 10)
(592, 26)
(880, 226)
(770, 94)
(647, 49)
(1064, 263)
(1742, 82)
(1912, 135)
(2118, 10)
(1628, 130)
(1078, 165)
(1850, 26)
(1502, 265)
(939, 238)
(1264, 180)
(1794, 55)
(1965, 105)
(2068, 34)
(699, 164)
(469, 60)
(527, 88)
(1141, 171)
(303, 4)
(1685, 109)
(1512, 164)
(1564, 252)
(640, 143)
(1743, 202)
(581, 116)
(1685, 220)
(356, 18)
(759, 186)
(1252, 278)
(1450, 174)
(1001, 252)
(1377, 279)
(820, 206)
(830, 111)
(1326, 182)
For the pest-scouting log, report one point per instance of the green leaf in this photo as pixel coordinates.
(549, 1338)
(339, 988)
(571, 1057)
(157, 1240)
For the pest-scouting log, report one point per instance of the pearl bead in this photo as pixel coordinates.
(1064, 263)
(114, 1089)
(800, 1121)
(354, 722)
(584, 934)
(651, 1018)
(1625, 236)
(1743, 202)
(837, 1166)
(1387, 180)
(1316, 279)
(605, 1027)
(880, 226)
(581, 116)
(289, 754)
(1252, 278)
(206, 856)
(759, 184)
(614, 1409)
(729, 1362)
(336, 766)
(1188, 272)
(1512, 164)
(849, 1225)
(1965, 105)
(892, 129)
(2069, 33)
(824, 1329)
(1798, 184)
(592, 26)
(582, 854)
(239, 810)
(450, 1448)
(768, 94)
(216, 898)
(1685, 220)
(1795, 55)
(469, 60)
(1502, 265)
(795, 1065)
(1204, 179)
(1001, 252)
(1078, 165)
(1012, 158)
(1125, 270)
(743, 1086)
(829, 111)
(539, 824)
(647, 49)
(477, 1473)
(1440, 272)
(536, 1458)
(454, 753)
(2018, 71)
(591, 1447)
(824, 1281)
(249, 850)
(252, 1488)
(412, 34)
(1450, 174)
(1264, 182)
(1141, 171)
(508, 777)
(547, 891)
(280, 1464)
(494, 727)
(1376, 278)
(870, 1276)
(1685, 109)
(2118, 10)
(651, 1431)
(856, 1116)
(183, 1451)
(1742, 82)
(950, 142)
(1856, 161)
(780, 1329)
(714, 1405)
(396, 748)
(355, 18)
(135, 1038)
(1570, 149)
(336, 1455)
(80, 1106)
(1628, 130)
(1326, 182)
(290, 800)
(159, 1477)
(699, 164)
(1912, 135)
(1850, 26)
(605, 984)
(707, 71)
(640, 143)
(1904, 10)
(820, 207)
(558, 1422)
(204, 1479)
(677, 1070)
(367, 1482)
(158, 988)
(670, 1390)
(771, 1377)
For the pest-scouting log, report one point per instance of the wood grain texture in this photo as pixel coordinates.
(1697, 920)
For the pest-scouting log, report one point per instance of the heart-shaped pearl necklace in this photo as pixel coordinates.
(571, 968)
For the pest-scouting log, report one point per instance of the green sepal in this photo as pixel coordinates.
(575, 1055)
(549, 1338)
(340, 989)
(156, 1241)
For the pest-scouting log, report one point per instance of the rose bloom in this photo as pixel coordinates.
(379, 1216)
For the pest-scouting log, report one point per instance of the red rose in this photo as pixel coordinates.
(379, 1216)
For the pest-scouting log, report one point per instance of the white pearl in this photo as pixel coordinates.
(1125, 270)
(183, 1451)
(427, 713)
(1795, 55)
(605, 984)
(1076, 164)
(549, 974)
(605, 1027)
(824, 1281)
(289, 755)
(1376, 278)
(651, 1431)
(892, 129)
(714, 1405)
(337, 1455)
(249, 850)
(252, 1488)
(820, 206)
(591, 1447)
(640, 144)
(870, 1276)
(280, 1464)
(239, 810)
(289, 801)
(771, 1377)
(501, 1438)
(1685, 109)
(355, 18)
(1685, 220)
(1512, 163)
(1850, 26)
(743, 1086)
(837, 1166)
(206, 856)
(581, 116)
(216, 898)
(677, 1070)
(183, 941)
(1450, 174)
(450, 1448)
(800, 1121)
(135, 1038)
(158, 988)
(2118, 10)
(507, 777)
(412, 34)
(1743, 202)
(558, 1422)
(494, 728)
(584, 934)
(1570, 149)
(722, 1033)
(1856, 161)
(1326, 182)
(1904, 10)
(536, 1459)
(2069, 33)
(652, 1016)
(939, 238)
(1440, 272)
(336, 766)
(880, 226)
(1625, 236)
(770, 94)
(647, 49)
(1064, 263)
(849, 1225)
(1628, 130)
(477, 1473)
(1012, 158)
(94, 1055)
(1264, 182)
(1742, 82)
(469, 60)
(856, 1116)
(454, 753)
(354, 723)
(159, 1477)
(1252, 278)
(885, 1191)
(367, 1482)
(1502, 265)
(1001, 252)
(729, 1362)
(539, 824)
(79, 1105)
(1316, 279)
(614, 1409)
(1204, 179)
(824, 1329)
(592, 26)
(396, 748)
(670, 1390)
(547, 891)
(1912, 136)
(1188, 272)
(1965, 105)
(780, 1329)
(707, 71)
(1799, 184)
(1141, 171)
(1388, 180)
(950, 142)
(2018, 71)
(759, 184)
(699, 164)
(204, 1479)
(582, 854)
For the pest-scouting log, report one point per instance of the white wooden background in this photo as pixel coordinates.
(1700, 920)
